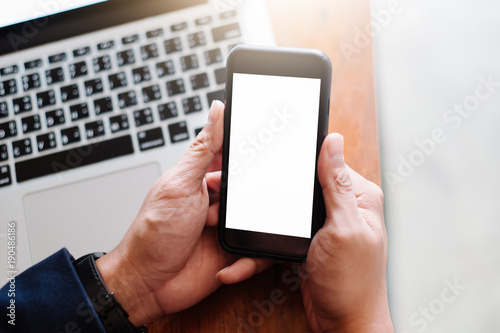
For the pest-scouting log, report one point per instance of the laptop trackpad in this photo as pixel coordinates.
(88, 216)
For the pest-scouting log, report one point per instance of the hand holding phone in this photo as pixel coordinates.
(276, 118)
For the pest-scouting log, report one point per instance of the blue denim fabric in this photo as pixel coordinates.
(49, 297)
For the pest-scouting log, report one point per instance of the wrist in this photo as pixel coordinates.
(128, 287)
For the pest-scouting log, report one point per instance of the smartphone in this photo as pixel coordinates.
(275, 120)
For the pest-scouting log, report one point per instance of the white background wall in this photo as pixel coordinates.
(442, 212)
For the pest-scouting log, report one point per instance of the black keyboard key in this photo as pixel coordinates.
(93, 87)
(141, 74)
(189, 62)
(203, 20)
(57, 58)
(22, 104)
(149, 51)
(118, 80)
(213, 56)
(31, 81)
(175, 87)
(150, 139)
(81, 51)
(70, 135)
(46, 141)
(165, 68)
(178, 132)
(46, 98)
(31, 123)
(37, 63)
(118, 123)
(69, 93)
(197, 131)
(103, 105)
(126, 57)
(191, 104)
(78, 69)
(227, 14)
(106, 45)
(154, 33)
(178, 27)
(226, 32)
(94, 129)
(79, 111)
(4, 110)
(5, 177)
(199, 81)
(13, 69)
(102, 63)
(130, 39)
(8, 129)
(220, 75)
(4, 155)
(196, 39)
(173, 45)
(151, 93)
(127, 99)
(55, 117)
(21, 148)
(8, 87)
(73, 158)
(54, 75)
(215, 95)
(143, 117)
(167, 110)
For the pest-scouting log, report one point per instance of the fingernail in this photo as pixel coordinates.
(222, 270)
(336, 148)
(213, 113)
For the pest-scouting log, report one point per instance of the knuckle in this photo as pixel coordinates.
(370, 196)
(202, 140)
(378, 193)
(342, 180)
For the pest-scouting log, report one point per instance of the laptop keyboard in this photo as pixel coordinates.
(133, 93)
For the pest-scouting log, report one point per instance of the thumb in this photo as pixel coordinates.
(340, 200)
(195, 162)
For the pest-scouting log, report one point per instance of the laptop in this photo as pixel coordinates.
(98, 98)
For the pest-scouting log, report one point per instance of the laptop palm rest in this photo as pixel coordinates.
(97, 212)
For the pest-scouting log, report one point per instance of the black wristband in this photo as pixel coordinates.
(113, 317)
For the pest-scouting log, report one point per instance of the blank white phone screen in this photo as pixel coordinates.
(272, 154)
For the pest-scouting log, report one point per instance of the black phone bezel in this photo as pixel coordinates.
(280, 61)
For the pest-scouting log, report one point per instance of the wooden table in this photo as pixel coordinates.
(329, 25)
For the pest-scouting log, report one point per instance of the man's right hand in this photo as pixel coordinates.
(344, 281)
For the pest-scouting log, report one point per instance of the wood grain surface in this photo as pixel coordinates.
(271, 301)
(337, 27)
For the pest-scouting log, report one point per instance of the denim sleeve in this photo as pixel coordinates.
(48, 297)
